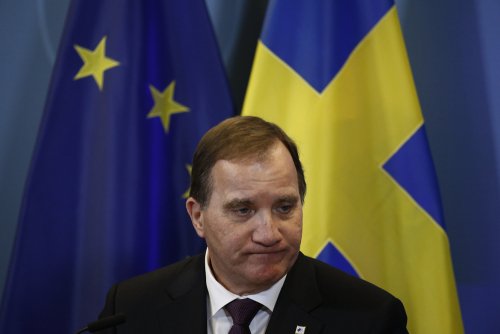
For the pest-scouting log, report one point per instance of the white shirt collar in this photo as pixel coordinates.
(219, 296)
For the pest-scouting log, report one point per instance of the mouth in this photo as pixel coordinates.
(268, 255)
(268, 251)
(273, 252)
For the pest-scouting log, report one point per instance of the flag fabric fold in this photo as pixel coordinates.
(335, 76)
(135, 86)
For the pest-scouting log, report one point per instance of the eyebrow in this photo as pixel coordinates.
(292, 199)
(237, 203)
(243, 202)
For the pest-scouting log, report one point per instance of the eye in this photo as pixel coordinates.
(242, 211)
(285, 208)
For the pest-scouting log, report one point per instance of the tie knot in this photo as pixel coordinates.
(243, 310)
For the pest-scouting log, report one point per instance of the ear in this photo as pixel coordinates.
(194, 210)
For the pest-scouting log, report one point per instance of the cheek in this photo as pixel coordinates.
(215, 234)
(223, 235)
(297, 237)
(294, 234)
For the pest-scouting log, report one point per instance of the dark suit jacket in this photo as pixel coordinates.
(314, 295)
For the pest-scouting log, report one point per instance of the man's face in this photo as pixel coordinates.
(253, 221)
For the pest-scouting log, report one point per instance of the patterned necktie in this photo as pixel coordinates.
(242, 311)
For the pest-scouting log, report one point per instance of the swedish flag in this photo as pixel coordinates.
(335, 76)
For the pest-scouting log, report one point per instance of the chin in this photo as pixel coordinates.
(268, 276)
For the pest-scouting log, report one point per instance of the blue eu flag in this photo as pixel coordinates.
(135, 86)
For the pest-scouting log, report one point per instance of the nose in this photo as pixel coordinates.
(266, 232)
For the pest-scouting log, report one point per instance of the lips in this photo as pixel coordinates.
(269, 256)
(268, 251)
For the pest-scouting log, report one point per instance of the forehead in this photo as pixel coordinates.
(271, 172)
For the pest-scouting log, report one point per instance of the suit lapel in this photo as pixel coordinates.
(186, 312)
(298, 297)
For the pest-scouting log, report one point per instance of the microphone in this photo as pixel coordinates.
(107, 322)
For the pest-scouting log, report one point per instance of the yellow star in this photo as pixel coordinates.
(165, 105)
(186, 193)
(95, 62)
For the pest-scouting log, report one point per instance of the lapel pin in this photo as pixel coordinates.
(300, 330)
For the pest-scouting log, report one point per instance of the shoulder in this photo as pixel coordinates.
(337, 285)
(326, 299)
(341, 301)
(156, 287)
(163, 277)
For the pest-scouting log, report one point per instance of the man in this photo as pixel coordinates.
(246, 198)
